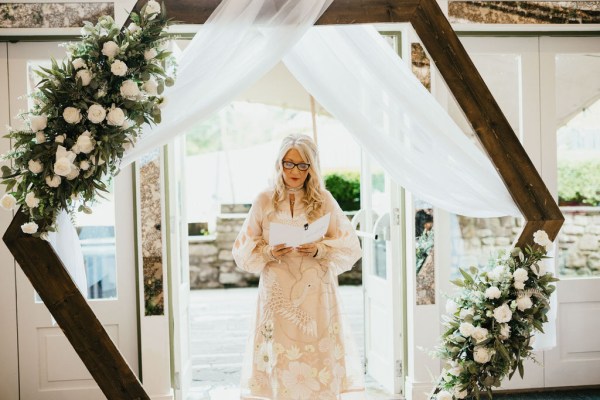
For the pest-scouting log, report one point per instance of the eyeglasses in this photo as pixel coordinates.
(290, 165)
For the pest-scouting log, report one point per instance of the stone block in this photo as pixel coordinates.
(588, 242)
(230, 278)
(593, 229)
(573, 230)
(203, 249)
(225, 255)
(488, 241)
(484, 233)
(581, 220)
(226, 237)
(593, 261)
(502, 241)
(575, 260)
(474, 243)
(227, 267)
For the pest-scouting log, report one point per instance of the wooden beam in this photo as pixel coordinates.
(73, 314)
(522, 180)
(339, 12)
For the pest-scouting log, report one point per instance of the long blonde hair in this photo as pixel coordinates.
(313, 185)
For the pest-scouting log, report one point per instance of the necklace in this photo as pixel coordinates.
(293, 190)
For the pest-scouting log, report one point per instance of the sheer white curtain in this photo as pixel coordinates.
(354, 73)
(239, 43)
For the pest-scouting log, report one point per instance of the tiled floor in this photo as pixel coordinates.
(220, 322)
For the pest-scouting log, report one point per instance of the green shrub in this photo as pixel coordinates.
(579, 181)
(345, 189)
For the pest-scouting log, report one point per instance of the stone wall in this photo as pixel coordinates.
(476, 239)
(579, 242)
(211, 262)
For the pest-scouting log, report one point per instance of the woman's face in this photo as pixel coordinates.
(294, 177)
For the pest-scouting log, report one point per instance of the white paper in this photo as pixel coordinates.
(296, 235)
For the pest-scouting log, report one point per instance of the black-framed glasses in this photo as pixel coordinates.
(290, 165)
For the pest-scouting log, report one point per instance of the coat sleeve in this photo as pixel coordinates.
(340, 248)
(250, 251)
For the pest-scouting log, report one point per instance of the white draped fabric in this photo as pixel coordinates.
(351, 71)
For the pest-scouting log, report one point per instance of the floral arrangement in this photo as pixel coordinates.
(88, 111)
(492, 320)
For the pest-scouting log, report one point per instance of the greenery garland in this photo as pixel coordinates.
(88, 111)
(492, 320)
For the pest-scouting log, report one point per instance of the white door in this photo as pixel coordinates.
(49, 368)
(541, 83)
(510, 69)
(382, 268)
(570, 94)
(177, 249)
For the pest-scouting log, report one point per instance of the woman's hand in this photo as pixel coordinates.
(308, 249)
(280, 250)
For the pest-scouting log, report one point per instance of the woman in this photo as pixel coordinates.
(298, 349)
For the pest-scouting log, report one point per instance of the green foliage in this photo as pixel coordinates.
(89, 147)
(345, 189)
(579, 181)
(491, 321)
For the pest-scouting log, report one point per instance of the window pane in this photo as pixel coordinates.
(578, 143)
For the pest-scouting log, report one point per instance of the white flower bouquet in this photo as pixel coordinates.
(491, 321)
(88, 110)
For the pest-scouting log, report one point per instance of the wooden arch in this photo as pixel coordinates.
(77, 320)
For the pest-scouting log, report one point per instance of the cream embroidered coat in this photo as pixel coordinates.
(299, 348)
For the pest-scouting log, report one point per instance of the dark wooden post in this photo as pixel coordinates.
(72, 313)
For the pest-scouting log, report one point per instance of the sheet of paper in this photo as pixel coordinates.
(295, 235)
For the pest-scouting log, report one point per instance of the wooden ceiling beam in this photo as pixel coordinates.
(339, 12)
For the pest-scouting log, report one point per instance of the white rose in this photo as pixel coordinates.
(456, 371)
(60, 138)
(53, 181)
(481, 354)
(519, 285)
(73, 174)
(118, 68)
(524, 302)
(8, 202)
(492, 293)
(502, 313)
(150, 54)
(38, 122)
(96, 113)
(520, 275)
(72, 115)
(31, 200)
(85, 76)
(541, 237)
(150, 87)
(35, 166)
(110, 49)
(460, 395)
(479, 334)
(133, 27)
(444, 395)
(129, 89)
(30, 227)
(84, 165)
(152, 8)
(504, 331)
(79, 63)
(466, 312)
(40, 137)
(84, 144)
(62, 166)
(451, 307)
(466, 329)
(115, 117)
(539, 269)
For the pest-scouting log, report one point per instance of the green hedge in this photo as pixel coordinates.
(579, 182)
(345, 189)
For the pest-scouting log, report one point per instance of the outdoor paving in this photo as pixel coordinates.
(220, 322)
